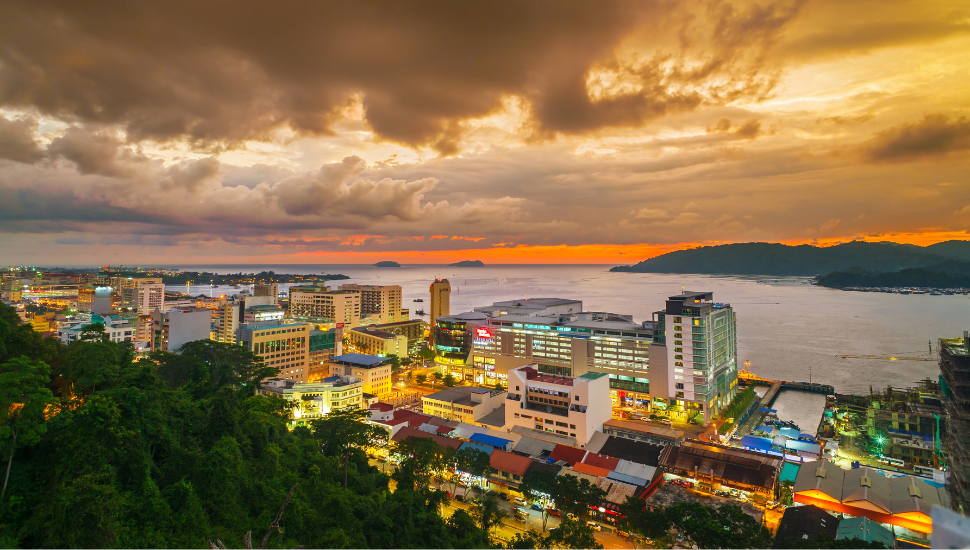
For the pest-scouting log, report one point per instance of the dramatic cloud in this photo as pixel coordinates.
(551, 130)
(933, 135)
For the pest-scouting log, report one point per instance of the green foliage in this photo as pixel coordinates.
(426, 355)
(946, 274)
(421, 378)
(576, 495)
(24, 398)
(487, 513)
(450, 381)
(570, 534)
(173, 454)
(700, 526)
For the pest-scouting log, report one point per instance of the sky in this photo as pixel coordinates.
(531, 131)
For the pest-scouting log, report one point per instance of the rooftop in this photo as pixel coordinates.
(268, 325)
(359, 360)
(375, 332)
(460, 395)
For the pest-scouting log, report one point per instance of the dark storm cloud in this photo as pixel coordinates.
(32, 205)
(933, 135)
(17, 141)
(93, 153)
(227, 71)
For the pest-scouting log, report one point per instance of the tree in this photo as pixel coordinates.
(786, 492)
(24, 399)
(641, 523)
(572, 533)
(537, 486)
(424, 457)
(426, 355)
(823, 541)
(421, 378)
(450, 381)
(342, 432)
(487, 513)
(472, 462)
(395, 361)
(93, 362)
(576, 495)
(93, 333)
(725, 527)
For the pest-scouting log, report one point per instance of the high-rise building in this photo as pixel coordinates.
(282, 345)
(225, 321)
(336, 307)
(143, 298)
(268, 289)
(378, 303)
(178, 326)
(440, 300)
(565, 405)
(324, 344)
(697, 339)
(955, 386)
(94, 299)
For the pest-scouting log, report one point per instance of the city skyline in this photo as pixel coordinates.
(603, 132)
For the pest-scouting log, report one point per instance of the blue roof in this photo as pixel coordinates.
(789, 432)
(789, 471)
(796, 445)
(806, 437)
(490, 440)
(764, 428)
(478, 447)
(755, 442)
(865, 529)
(767, 410)
(360, 359)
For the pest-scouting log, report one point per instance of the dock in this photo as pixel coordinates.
(772, 393)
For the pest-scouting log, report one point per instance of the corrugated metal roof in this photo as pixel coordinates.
(628, 479)
(532, 447)
(570, 455)
(487, 449)
(803, 446)
(635, 469)
(757, 443)
(596, 442)
(498, 442)
(591, 470)
(867, 488)
(829, 484)
(508, 462)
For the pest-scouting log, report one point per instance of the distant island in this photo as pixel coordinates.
(387, 264)
(950, 274)
(467, 263)
(804, 260)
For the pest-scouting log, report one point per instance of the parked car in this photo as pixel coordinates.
(771, 504)
(503, 496)
(594, 526)
(623, 534)
(520, 501)
(460, 498)
(553, 512)
(742, 498)
(491, 493)
(535, 506)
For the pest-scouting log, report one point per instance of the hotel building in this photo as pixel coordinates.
(440, 300)
(378, 304)
(283, 346)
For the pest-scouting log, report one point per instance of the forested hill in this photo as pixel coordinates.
(948, 274)
(806, 260)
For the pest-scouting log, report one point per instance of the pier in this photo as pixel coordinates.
(774, 388)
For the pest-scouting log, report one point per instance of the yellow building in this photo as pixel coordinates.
(317, 399)
(42, 322)
(268, 289)
(283, 346)
(341, 307)
(463, 403)
(440, 300)
(370, 341)
(378, 303)
(374, 372)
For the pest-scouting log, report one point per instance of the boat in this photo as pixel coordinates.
(419, 312)
(419, 299)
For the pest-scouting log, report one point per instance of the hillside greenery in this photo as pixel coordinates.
(948, 274)
(803, 260)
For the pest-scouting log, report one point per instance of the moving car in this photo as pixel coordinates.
(520, 501)
(553, 512)
(771, 504)
(593, 525)
(535, 506)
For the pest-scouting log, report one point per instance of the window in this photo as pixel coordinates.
(549, 422)
(680, 394)
(679, 386)
(577, 398)
(572, 426)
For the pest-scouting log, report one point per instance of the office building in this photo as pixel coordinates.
(263, 313)
(281, 345)
(378, 303)
(696, 339)
(316, 399)
(323, 346)
(463, 403)
(272, 290)
(143, 298)
(373, 371)
(94, 299)
(955, 386)
(569, 406)
(553, 333)
(440, 300)
(176, 327)
(118, 329)
(371, 341)
(339, 308)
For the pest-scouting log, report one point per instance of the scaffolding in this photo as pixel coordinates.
(955, 384)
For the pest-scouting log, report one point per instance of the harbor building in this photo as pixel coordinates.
(955, 386)
(565, 405)
(281, 345)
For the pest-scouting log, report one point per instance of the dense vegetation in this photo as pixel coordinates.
(468, 263)
(805, 260)
(105, 451)
(948, 274)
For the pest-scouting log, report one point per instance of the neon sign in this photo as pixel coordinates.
(482, 332)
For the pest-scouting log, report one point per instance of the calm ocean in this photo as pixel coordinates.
(787, 328)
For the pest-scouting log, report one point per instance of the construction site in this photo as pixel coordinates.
(955, 383)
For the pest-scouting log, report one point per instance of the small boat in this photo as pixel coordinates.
(419, 312)
(419, 299)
